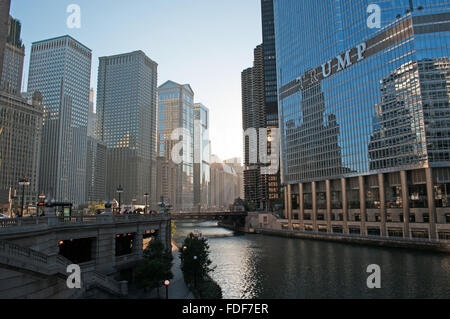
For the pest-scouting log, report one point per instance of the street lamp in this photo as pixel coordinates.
(195, 272)
(146, 195)
(119, 191)
(167, 283)
(23, 182)
(41, 201)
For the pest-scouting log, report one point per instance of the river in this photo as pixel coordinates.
(264, 267)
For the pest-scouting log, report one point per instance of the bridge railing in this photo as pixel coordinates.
(8, 223)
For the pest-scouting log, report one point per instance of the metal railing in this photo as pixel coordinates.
(357, 236)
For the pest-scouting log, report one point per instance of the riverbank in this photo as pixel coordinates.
(359, 240)
(178, 288)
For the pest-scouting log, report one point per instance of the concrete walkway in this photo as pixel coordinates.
(178, 288)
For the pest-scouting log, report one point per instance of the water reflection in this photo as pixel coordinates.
(254, 266)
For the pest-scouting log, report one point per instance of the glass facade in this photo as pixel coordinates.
(202, 156)
(355, 100)
(60, 69)
(126, 111)
(176, 112)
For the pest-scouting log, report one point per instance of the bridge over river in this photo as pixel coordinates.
(35, 253)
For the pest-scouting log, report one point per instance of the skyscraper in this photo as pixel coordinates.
(92, 116)
(14, 53)
(126, 112)
(176, 129)
(60, 68)
(202, 155)
(261, 189)
(4, 23)
(260, 111)
(96, 162)
(365, 115)
(270, 183)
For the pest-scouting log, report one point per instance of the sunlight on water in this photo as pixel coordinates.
(254, 266)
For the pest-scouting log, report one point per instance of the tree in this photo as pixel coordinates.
(156, 266)
(195, 269)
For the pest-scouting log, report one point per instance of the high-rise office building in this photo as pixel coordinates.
(20, 147)
(270, 183)
(253, 119)
(176, 129)
(202, 156)
(4, 26)
(60, 68)
(365, 117)
(259, 119)
(224, 189)
(14, 53)
(260, 111)
(92, 116)
(126, 123)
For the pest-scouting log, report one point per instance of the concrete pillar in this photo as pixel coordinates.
(382, 204)
(344, 204)
(431, 204)
(314, 205)
(302, 206)
(405, 200)
(290, 206)
(328, 187)
(362, 204)
(285, 212)
(139, 243)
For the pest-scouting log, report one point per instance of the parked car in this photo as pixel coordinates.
(3, 216)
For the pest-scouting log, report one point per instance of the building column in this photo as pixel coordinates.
(362, 204)
(328, 188)
(405, 205)
(344, 204)
(290, 206)
(302, 206)
(314, 205)
(285, 211)
(431, 204)
(382, 204)
(139, 243)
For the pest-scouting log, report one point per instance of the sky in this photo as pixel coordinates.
(204, 43)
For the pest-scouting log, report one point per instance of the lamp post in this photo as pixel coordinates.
(23, 182)
(195, 272)
(146, 195)
(119, 191)
(167, 283)
(41, 201)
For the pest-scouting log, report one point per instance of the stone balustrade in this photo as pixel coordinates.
(54, 221)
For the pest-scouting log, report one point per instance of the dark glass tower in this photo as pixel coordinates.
(365, 116)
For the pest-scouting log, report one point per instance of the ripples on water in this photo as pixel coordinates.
(255, 266)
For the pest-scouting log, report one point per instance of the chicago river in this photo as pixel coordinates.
(264, 267)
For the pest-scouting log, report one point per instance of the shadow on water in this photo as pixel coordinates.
(255, 266)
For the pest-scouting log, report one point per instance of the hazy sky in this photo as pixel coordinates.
(206, 43)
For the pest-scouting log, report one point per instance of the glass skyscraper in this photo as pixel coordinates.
(202, 156)
(365, 117)
(176, 112)
(60, 69)
(126, 112)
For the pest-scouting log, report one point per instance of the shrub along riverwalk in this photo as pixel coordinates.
(196, 266)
